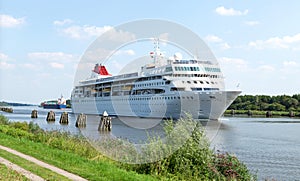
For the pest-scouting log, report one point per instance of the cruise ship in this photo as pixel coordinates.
(164, 88)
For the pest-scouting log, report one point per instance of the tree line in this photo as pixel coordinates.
(267, 103)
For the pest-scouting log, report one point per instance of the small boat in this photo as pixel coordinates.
(60, 103)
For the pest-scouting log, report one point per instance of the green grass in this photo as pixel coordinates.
(89, 169)
(32, 167)
(10, 175)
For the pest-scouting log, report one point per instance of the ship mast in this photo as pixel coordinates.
(156, 54)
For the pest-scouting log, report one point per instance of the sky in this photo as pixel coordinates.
(257, 43)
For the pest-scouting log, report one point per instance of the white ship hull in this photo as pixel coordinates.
(201, 105)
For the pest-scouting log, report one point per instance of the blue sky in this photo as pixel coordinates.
(257, 43)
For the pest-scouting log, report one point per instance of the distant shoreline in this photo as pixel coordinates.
(258, 113)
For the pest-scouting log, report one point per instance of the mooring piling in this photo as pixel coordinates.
(81, 120)
(64, 118)
(34, 114)
(7, 109)
(105, 123)
(50, 116)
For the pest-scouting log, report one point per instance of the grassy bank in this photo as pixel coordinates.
(262, 113)
(8, 174)
(193, 160)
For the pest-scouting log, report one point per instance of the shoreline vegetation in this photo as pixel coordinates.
(263, 105)
(76, 155)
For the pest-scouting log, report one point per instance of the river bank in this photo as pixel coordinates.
(268, 146)
(74, 153)
(259, 113)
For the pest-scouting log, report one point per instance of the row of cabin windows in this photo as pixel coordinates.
(196, 75)
(153, 84)
(150, 84)
(161, 98)
(201, 82)
(205, 89)
(149, 98)
(187, 68)
(212, 69)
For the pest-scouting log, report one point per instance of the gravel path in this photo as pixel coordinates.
(43, 164)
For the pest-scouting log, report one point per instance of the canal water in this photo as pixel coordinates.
(270, 147)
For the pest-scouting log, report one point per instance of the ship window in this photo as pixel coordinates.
(195, 82)
(188, 82)
(212, 83)
(178, 97)
(207, 82)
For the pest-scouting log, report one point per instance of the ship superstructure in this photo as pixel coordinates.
(165, 88)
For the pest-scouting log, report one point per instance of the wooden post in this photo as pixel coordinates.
(34, 114)
(81, 120)
(232, 111)
(64, 118)
(291, 114)
(105, 123)
(7, 109)
(250, 113)
(50, 116)
(269, 114)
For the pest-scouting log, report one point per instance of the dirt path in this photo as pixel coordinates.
(43, 164)
(20, 170)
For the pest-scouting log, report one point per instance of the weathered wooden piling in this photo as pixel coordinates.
(291, 114)
(7, 109)
(34, 114)
(105, 123)
(269, 114)
(50, 116)
(232, 112)
(250, 113)
(64, 118)
(81, 120)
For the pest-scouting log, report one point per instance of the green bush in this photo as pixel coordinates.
(193, 160)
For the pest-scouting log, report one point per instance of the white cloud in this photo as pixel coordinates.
(125, 52)
(276, 42)
(4, 62)
(213, 38)
(233, 62)
(63, 22)
(29, 66)
(266, 68)
(5, 65)
(225, 46)
(251, 23)
(290, 63)
(219, 41)
(8, 21)
(56, 65)
(290, 68)
(84, 32)
(3, 57)
(52, 56)
(221, 10)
